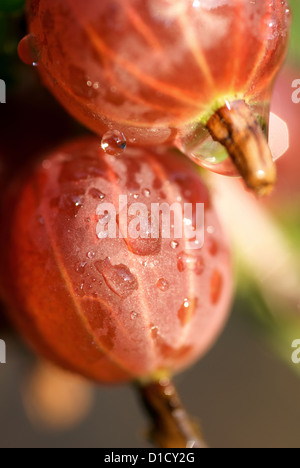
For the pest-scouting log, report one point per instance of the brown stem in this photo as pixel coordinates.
(172, 426)
(235, 127)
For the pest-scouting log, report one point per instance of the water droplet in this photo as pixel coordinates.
(79, 290)
(190, 262)
(148, 241)
(80, 267)
(96, 194)
(133, 315)
(113, 143)
(271, 26)
(105, 219)
(147, 193)
(216, 287)
(91, 254)
(136, 196)
(102, 235)
(163, 284)
(187, 311)
(77, 201)
(95, 85)
(118, 278)
(29, 50)
(71, 203)
(174, 244)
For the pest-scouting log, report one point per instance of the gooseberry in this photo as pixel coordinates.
(111, 308)
(191, 73)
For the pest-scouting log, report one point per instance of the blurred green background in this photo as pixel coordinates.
(246, 391)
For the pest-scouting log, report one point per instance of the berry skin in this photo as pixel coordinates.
(112, 309)
(158, 70)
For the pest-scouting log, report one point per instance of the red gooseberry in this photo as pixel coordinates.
(113, 309)
(191, 73)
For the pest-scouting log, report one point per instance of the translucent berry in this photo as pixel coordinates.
(196, 74)
(116, 307)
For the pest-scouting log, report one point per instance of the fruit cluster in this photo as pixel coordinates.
(147, 76)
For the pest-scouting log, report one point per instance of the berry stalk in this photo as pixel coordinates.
(172, 426)
(235, 127)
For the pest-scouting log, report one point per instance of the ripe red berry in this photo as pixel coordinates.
(158, 70)
(113, 309)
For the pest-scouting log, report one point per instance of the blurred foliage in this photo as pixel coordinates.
(12, 29)
(278, 328)
(11, 6)
(295, 39)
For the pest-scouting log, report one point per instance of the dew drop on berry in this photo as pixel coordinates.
(174, 244)
(91, 254)
(187, 311)
(29, 50)
(113, 143)
(147, 193)
(133, 315)
(270, 26)
(190, 262)
(102, 235)
(71, 203)
(105, 218)
(118, 278)
(288, 15)
(216, 286)
(148, 242)
(163, 284)
(96, 194)
(79, 290)
(80, 267)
